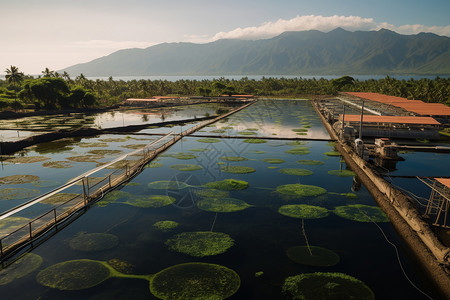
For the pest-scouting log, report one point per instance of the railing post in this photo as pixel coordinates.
(84, 191)
(54, 213)
(109, 179)
(31, 231)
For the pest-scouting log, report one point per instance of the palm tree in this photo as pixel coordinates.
(48, 73)
(14, 76)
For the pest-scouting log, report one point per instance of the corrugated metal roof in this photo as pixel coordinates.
(390, 119)
(415, 106)
(444, 181)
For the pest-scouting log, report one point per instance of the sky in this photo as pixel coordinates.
(54, 34)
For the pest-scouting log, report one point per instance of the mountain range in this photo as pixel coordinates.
(290, 53)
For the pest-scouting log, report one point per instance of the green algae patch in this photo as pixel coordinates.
(18, 179)
(361, 213)
(332, 153)
(166, 225)
(152, 201)
(300, 190)
(105, 152)
(90, 242)
(200, 244)
(154, 165)
(182, 156)
(112, 197)
(60, 198)
(218, 131)
(186, 167)
(254, 141)
(273, 160)
(222, 204)
(247, 133)
(342, 173)
(18, 193)
(209, 140)
(11, 224)
(297, 143)
(85, 158)
(238, 169)
(211, 193)
(303, 211)
(298, 151)
(300, 130)
(195, 281)
(114, 140)
(310, 162)
(228, 185)
(45, 183)
(233, 158)
(295, 172)
(167, 185)
(57, 164)
(20, 268)
(255, 152)
(200, 150)
(92, 145)
(134, 146)
(326, 286)
(313, 256)
(26, 159)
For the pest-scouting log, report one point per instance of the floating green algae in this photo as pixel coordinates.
(20, 268)
(332, 153)
(154, 165)
(201, 243)
(186, 167)
(209, 140)
(105, 152)
(167, 185)
(18, 179)
(300, 190)
(300, 130)
(238, 169)
(60, 198)
(211, 193)
(273, 160)
(303, 211)
(295, 171)
(121, 266)
(55, 146)
(26, 159)
(297, 143)
(326, 286)
(218, 131)
(320, 257)
(361, 213)
(115, 140)
(298, 151)
(309, 162)
(247, 133)
(90, 242)
(85, 158)
(112, 197)
(134, 146)
(342, 173)
(11, 224)
(92, 144)
(228, 185)
(252, 129)
(46, 183)
(180, 155)
(153, 201)
(165, 225)
(57, 164)
(195, 281)
(18, 193)
(255, 152)
(200, 150)
(220, 204)
(254, 141)
(233, 158)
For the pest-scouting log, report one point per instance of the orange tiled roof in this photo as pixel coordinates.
(444, 181)
(391, 119)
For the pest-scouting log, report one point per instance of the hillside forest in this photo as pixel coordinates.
(51, 90)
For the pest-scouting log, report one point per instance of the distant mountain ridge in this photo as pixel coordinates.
(290, 53)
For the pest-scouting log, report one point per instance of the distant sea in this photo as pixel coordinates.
(255, 77)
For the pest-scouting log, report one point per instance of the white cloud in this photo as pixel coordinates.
(300, 23)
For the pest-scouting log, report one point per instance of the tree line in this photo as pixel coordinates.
(53, 90)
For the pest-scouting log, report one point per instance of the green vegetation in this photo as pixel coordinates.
(10, 224)
(332, 153)
(254, 141)
(211, 193)
(105, 152)
(165, 226)
(320, 257)
(59, 198)
(23, 266)
(222, 204)
(273, 160)
(209, 140)
(195, 281)
(180, 155)
(18, 179)
(45, 183)
(148, 201)
(18, 193)
(238, 169)
(57, 164)
(85, 158)
(310, 162)
(303, 211)
(233, 158)
(200, 150)
(90, 242)
(186, 167)
(200, 244)
(298, 151)
(342, 173)
(26, 159)
(92, 145)
(154, 165)
(300, 190)
(361, 213)
(295, 171)
(326, 286)
(228, 185)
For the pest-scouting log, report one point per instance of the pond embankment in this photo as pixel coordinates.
(433, 256)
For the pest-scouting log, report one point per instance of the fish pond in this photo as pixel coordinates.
(214, 218)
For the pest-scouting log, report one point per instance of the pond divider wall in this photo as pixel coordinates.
(431, 253)
(41, 226)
